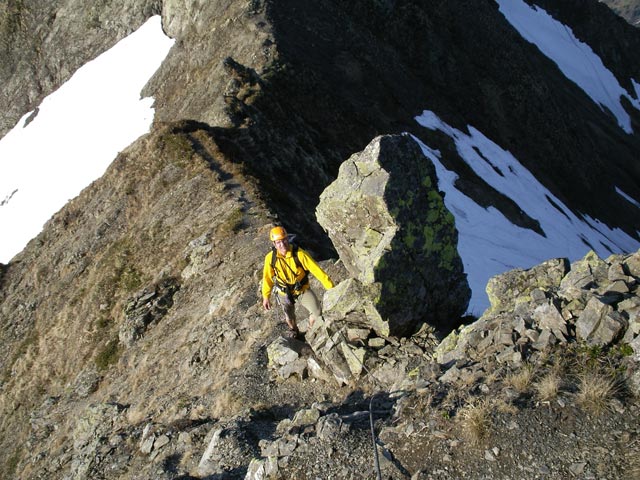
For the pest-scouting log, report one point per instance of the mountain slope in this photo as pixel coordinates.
(136, 307)
(43, 44)
(438, 65)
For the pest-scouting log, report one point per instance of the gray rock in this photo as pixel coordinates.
(297, 367)
(283, 351)
(281, 447)
(357, 334)
(548, 317)
(146, 307)
(599, 324)
(146, 446)
(577, 468)
(545, 340)
(635, 344)
(86, 383)
(632, 265)
(352, 303)
(227, 448)
(161, 441)
(369, 213)
(332, 349)
(207, 461)
(520, 286)
(317, 371)
(304, 417)
(196, 254)
(330, 427)
(91, 431)
(262, 469)
(585, 274)
(376, 342)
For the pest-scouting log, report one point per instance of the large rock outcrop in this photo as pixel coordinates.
(591, 300)
(388, 222)
(556, 324)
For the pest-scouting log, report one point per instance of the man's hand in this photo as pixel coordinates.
(266, 304)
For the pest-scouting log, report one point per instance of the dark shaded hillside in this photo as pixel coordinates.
(296, 88)
(334, 75)
(610, 37)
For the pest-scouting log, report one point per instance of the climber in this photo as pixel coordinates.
(286, 272)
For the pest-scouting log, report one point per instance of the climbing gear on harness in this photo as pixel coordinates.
(277, 233)
(291, 290)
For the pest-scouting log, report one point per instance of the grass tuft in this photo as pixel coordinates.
(234, 222)
(108, 355)
(548, 387)
(595, 391)
(475, 420)
(522, 379)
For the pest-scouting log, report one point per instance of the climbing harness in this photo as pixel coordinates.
(291, 290)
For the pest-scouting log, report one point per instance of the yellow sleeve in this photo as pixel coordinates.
(311, 265)
(267, 276)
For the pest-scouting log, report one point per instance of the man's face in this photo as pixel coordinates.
(281, 246)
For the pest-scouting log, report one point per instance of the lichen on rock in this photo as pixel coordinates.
(389, 224)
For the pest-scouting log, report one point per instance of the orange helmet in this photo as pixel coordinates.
(277, 233)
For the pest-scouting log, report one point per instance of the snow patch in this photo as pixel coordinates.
(628, 197)
(575, 59)
(488, 243)
(75, 133)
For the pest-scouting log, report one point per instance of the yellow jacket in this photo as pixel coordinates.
(288, 272)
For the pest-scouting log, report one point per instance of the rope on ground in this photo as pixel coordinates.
(373, 439)
(374, 442)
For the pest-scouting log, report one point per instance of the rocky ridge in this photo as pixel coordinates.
(466, 415)
(522, 356)
(132, 342)
(567, 320)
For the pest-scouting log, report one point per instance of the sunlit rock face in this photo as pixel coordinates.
(388, 222)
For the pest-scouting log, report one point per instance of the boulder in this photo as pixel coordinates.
(146, 307)
(285, 357)
(632, 264)
(261, 469)
(548, 317)
(599, 324)
(506, 291)
(586, 274)
(331, 348)
(353, 303)
(228, 448)
(388, 222)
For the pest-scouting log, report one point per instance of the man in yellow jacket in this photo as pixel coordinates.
(287, 276)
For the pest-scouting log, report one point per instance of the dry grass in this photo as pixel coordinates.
(548, 387)
(454, 398)
(503, 406)
(522, 379)
(595, 391)
(227, 403)
(475, 420)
